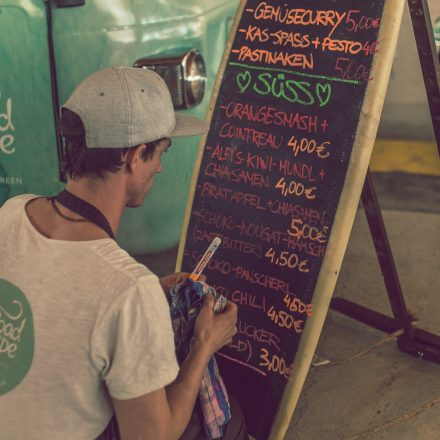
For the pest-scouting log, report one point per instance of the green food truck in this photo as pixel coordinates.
(48, 47)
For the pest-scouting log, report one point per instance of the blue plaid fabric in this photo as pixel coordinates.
(186, 301)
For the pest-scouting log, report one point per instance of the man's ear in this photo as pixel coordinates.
(133, 157)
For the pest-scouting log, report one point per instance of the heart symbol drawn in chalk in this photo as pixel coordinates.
(243, 80)
(323, 92)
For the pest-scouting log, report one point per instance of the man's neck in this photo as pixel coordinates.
(106, 195)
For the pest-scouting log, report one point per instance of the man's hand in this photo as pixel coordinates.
(215, 330)
(169, 281)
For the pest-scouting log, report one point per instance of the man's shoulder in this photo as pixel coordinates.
(11, 211)
(17, 201)
(118, 262)
(101, 270)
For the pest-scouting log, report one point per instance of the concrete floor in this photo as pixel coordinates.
(384, 394)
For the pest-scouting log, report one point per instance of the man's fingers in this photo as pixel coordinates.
(230, 307)
(232, 333)
(180, 276)
(208, 301)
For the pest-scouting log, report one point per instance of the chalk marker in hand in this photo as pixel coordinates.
(205, 259)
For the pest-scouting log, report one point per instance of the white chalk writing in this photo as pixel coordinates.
(6, 128)
(11, 329)
(10, 180)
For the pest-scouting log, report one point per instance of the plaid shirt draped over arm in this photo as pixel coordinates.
(186, 301)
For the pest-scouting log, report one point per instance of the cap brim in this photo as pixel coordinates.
(188, 126)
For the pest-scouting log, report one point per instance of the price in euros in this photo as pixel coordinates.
(299, 229)
(309, 146)
(294, 188)
(352, 70)
(274, 363)
(284, 320)
(296, 305)
(357, 23)
(284, 259)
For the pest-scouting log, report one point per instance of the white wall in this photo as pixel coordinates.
(406, 111)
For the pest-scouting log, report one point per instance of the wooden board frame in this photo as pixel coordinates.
(347, 207)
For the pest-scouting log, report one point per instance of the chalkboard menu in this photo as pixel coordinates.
(270, 176)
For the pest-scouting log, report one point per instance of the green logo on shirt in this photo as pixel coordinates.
(16, 336)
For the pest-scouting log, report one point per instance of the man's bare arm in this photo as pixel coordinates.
(165, 413)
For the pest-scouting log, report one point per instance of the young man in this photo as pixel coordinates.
(89, 327)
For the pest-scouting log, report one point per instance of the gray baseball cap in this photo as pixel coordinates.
(128, 106)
